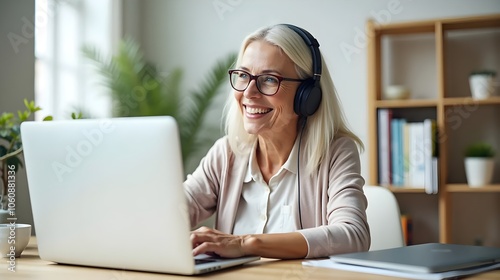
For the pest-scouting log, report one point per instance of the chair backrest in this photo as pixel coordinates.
(383, 218)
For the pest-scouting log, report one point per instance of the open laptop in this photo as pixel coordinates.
(108, 193)
(424, 258)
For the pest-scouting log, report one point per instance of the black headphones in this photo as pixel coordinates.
(308, 96)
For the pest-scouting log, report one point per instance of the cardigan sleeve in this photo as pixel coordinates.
(202, 186)
(345, 228)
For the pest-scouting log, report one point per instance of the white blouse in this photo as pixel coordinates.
(268, 208)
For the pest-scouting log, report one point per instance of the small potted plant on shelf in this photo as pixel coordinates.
(481, 83)
(479, 164)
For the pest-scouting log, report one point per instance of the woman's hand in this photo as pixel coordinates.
(210, 241)
(291, 245)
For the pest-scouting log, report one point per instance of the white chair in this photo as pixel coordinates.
(383, 218)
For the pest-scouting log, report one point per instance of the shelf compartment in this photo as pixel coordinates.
(467, 51)
(467, 124)
(414, 56)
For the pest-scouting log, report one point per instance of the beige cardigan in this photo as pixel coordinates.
(333, 203)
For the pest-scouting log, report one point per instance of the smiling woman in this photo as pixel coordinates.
(283, 109)
(267, 102)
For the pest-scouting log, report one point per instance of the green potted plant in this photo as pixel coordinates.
(11, 149)
(479, 164)
(139, 89)
(482, 83)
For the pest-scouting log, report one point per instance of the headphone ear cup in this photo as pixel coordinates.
(307, 98)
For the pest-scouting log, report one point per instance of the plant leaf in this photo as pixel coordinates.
(201, 100)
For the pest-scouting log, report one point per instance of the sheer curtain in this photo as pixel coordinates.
(65, 81)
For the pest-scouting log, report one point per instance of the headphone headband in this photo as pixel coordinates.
(313, 45)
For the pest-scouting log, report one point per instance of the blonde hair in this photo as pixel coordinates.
(326, 124)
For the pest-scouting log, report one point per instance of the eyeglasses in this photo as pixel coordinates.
(267, 84)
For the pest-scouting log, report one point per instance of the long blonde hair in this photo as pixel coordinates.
(326, 124)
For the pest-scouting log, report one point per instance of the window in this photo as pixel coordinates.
(65, 81)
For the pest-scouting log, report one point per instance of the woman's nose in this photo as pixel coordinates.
(251, 91)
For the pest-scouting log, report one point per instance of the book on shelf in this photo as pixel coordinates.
(430, 148)
(407, 152)
(407, 227)
(397, 152)
(435, 175)
(384, 149)
(416, 155)
(394, 153)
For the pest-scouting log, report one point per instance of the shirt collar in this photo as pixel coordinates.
(253, 171)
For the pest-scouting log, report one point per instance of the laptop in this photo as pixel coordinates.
(423, 258)
(108, 193)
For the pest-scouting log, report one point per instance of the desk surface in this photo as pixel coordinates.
(30, 266)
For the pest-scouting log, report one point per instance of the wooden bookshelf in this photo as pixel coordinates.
(464, 188)
(446, 50)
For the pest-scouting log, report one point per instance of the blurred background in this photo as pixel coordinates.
(41, 43)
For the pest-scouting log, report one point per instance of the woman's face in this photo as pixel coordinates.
(268, 115)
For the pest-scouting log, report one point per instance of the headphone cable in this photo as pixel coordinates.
(298, 170)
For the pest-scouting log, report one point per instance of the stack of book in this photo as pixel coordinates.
(407, 152)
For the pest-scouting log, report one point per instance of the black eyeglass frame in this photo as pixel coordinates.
(255, 77)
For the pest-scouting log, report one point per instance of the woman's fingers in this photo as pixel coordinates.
(199, 237)
(209, 241)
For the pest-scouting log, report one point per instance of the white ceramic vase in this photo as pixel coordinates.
(481, 86)
(479, 171)
(395, 92)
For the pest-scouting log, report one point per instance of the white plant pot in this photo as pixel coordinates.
(479, 171)
(481, 86)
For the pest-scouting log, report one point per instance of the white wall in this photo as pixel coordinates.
(17, 71)
(17, 58)
(192, 34)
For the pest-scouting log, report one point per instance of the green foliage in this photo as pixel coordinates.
(139, 89)
(74, 116)
(10, 133)
(10, 139)
(480, 150)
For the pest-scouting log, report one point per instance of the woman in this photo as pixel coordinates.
(280, 187)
